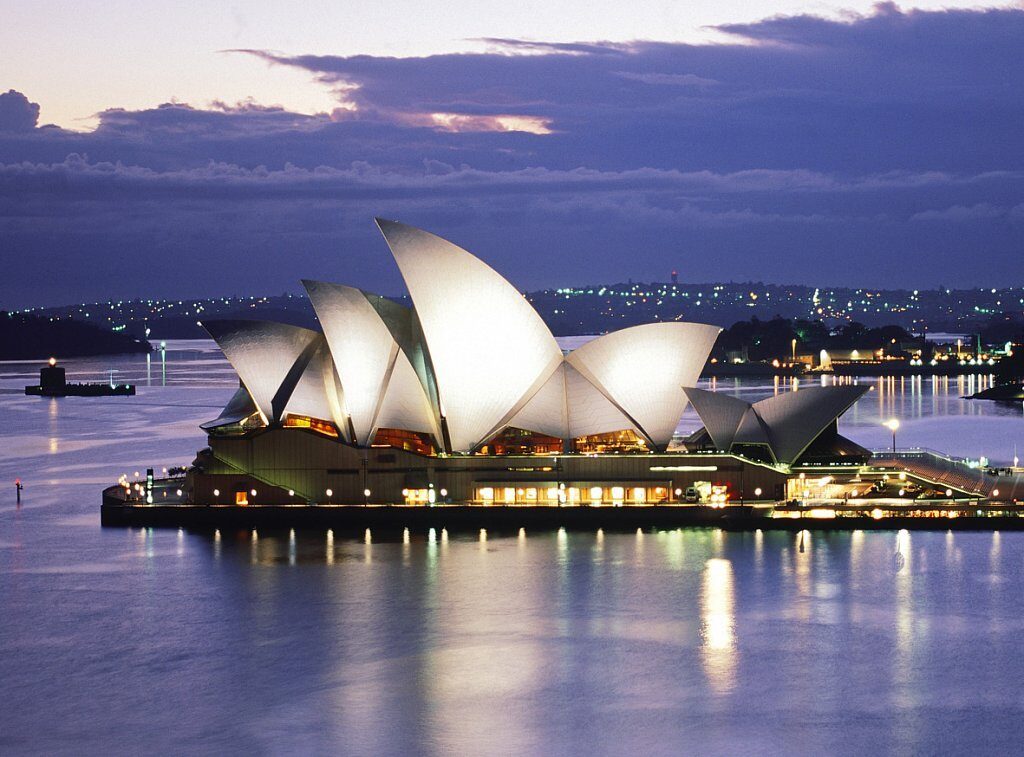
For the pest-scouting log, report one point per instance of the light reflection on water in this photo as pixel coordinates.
(549, 642)
(717, 620)
(532, 642)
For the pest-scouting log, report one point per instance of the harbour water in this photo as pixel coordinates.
(691, 641)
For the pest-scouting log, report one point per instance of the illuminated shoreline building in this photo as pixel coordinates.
(466, 397)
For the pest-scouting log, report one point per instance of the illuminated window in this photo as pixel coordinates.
(315, 424)
(242, 497)
(625, 440)
(417, 496)
(595, 494)
(639, 495)
(509, 495)
(517, 441)
(487, 495)
(411, 441)
(618, 494)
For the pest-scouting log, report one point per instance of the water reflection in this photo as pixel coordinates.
(326, 642)
(718, 625)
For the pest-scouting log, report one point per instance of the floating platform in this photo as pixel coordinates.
(52, 383)
(82, 390)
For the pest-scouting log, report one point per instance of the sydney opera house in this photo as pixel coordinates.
(466, 397)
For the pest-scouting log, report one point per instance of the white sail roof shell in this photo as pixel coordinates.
(317, 394)
(488, 346)
(787, 422)
(642, 370)
(590, 411)
(404, 404)
(547, 411)
(378, 382)
(795, 418)
(360, 344)
(264, 354)
(569, 406)
(721, 414)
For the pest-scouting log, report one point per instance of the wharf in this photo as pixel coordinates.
(975, 516)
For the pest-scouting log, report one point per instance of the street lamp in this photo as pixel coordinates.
(366, 496)
(892, 424)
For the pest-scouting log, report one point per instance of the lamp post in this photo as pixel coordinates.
(366, 496)
(892, 424)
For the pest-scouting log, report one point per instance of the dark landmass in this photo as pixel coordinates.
(757, 340)
(27, 337)
(783, 347)
(1010, 378)
(1002, 393)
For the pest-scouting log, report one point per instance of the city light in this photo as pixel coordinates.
(892, 424)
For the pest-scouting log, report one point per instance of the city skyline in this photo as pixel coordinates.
(596, 307)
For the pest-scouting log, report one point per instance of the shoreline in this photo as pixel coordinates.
(871, 370)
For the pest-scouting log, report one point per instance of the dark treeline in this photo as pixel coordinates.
(773, 339)
(26, 337)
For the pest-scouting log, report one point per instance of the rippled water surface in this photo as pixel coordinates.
(691, 641)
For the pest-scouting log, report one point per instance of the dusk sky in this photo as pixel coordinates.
(185, 149)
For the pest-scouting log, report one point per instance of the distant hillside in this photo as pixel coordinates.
(26, 337)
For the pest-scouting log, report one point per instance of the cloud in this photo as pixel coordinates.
(982, 211)
(892, 89)
(807, 149)
(675, 80)
(77, 176)
(17, 113)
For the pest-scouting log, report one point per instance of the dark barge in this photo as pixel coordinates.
(53, 383)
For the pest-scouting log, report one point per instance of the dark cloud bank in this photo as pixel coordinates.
(880, 150)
